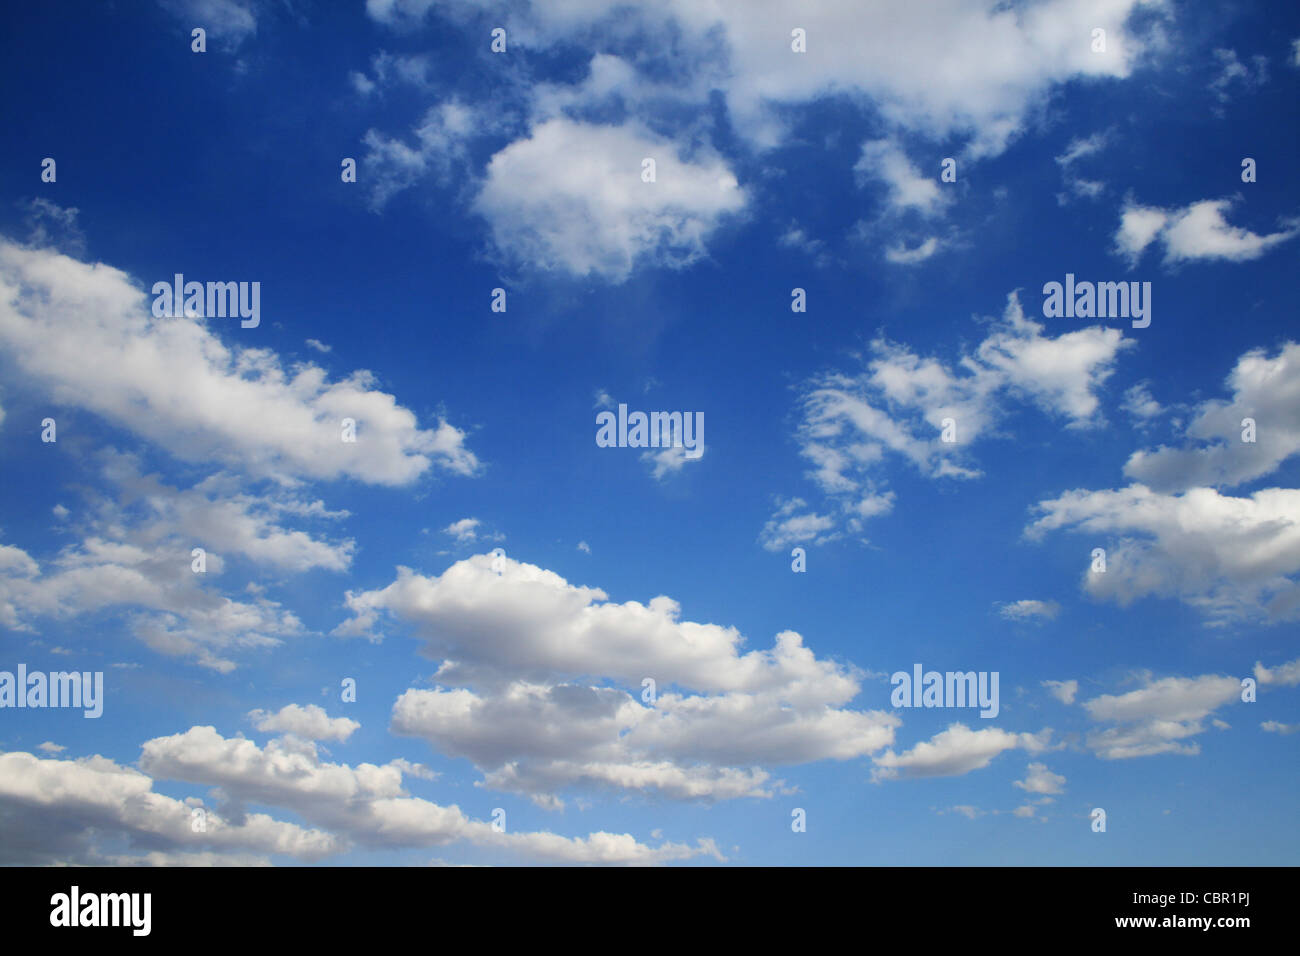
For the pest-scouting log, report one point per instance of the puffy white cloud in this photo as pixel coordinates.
(1039, 779)
(955, 751)
(1030, 610)
(1062, 690)
(529, 643)
(1140, 404)
(538, 739)
(168, 609)
(1265, 389)
(309, 722)
(1197, 231)
(56, 810)
(367, 804)
(84, 334)
(1158, 717)
(1232, 558)
(570, 197)
(970, 70)
(462, 530)
(955, 67)
(528, 623)
(907, 188)
(1287, 675)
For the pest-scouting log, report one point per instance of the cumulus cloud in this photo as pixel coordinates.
(1285, 675)
(884, 161)
(1194, 232)
(309, 723)
(956, 751)
(543, 210)
(462, 530)
(519, 650)
(56, 811)
(1062, 690)
(367, 804)
(1159, 717)
(1040, 780)
(1232, 558)
(83, 334)
(1265, 389)
(983, 90)
(995, 72)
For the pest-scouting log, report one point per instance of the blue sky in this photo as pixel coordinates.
(516, 684)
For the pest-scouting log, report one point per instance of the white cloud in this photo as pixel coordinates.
(1232, 72)
(896, 408)
(1276, 727)
(1139, 403)
(902, 255)
(1030, 610)
(228, 20)
(955, 751)
(1232, 558)
(1158, 717)
(462, 530)
(319, 346)
(309, 723)
(1264, 389)
(584, 547)
(670, 459)
(570, 197)
(953, 67)
(526, 639)
(50, 747)
(167, 608)
(83, 335)
(367, 804)
(1041, 780)
(1194, 232)
(788, 527)
(1062, 690)
(965, 70)
(57, 810)
(537, 738)
(1287, 675)
(883, 160)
